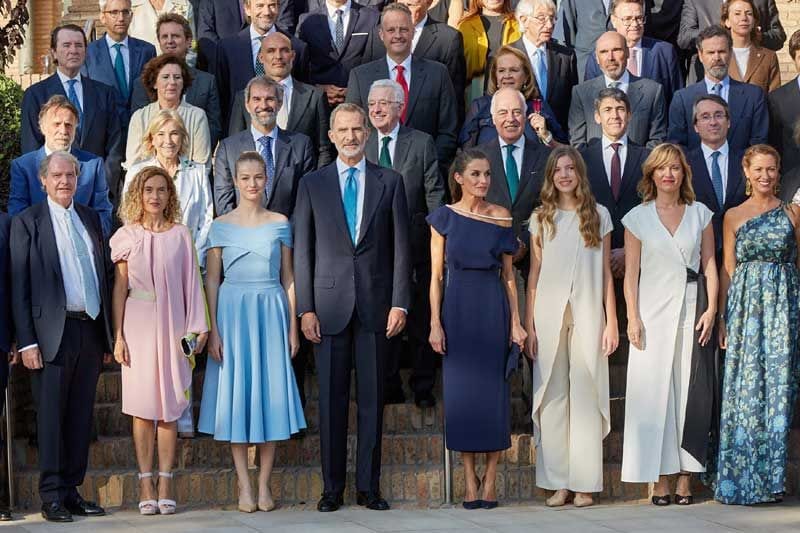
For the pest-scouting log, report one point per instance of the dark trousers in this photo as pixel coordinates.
(5, 502)
(64, 390)
(335, 356)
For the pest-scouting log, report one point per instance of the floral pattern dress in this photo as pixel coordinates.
(762, 368)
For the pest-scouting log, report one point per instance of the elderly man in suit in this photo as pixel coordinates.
(58, 120)
(62, 315)
(352, 275)
(8, 353)
(430, 97)
(647, 58)
(747, 103)
(412, 153)
(648, 123)
(784, 112)
(117, 59)
(336, 36)
(305, 108)
(580, 24)
(554, 65)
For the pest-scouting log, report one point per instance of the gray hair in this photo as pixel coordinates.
(104, 3)
(521, 96)
(399, 95)
(615, 94)
(265, 82)
(44, 166)
(710, 98)
(525, 8)
(349, 107)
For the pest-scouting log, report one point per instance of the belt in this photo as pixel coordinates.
(138, 294)
(78, 315)
(691, 276)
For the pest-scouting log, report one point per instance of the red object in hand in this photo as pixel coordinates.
(537, 105)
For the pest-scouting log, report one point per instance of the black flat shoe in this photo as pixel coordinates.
(684, 500)
(55, 512)
(372, 500)
(661, 501)
(330, 503)
(81, 507)
(474, 504)
(488, 504)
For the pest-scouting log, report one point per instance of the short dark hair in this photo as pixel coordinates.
(68, 27)
(715, 30)
(175, 18)
(794, 43)
(459, 166)
(616, 3)
(154, 66)
(710, 98)
(615, 94)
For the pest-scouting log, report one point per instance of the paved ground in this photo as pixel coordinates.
(700, 518)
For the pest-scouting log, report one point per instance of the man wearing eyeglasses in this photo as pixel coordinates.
(647, 58)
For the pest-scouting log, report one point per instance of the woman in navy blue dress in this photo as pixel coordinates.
(476, 322)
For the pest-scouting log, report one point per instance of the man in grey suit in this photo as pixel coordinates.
(352, 266)
(412, 153)
(580, 23)
(431, 98)
(175, 37)
(648, 125)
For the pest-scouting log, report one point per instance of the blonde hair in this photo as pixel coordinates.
(162, 118)
(588, 217)
(528, 89)
(660, 156)
(131, 210)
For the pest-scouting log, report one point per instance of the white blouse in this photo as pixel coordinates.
(145, 17)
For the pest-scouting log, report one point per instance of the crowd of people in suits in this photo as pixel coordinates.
(260, 180)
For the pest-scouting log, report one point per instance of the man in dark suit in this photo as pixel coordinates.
(747, 103)
(291, 154)
(432, 40)
(431, 98)
(648, 123)
(316, 5)
(8, 353)
(352, 274)
(305, 109)
(580, 24)
(99, 129)
(555, 67)
(336, 37)
(117, 59)
(62, 315)
(412, 153)
(663, 19)
(716, 169)
(784, 112)
(218, 19)
(57, 120)
(175, 37)
(647, 58)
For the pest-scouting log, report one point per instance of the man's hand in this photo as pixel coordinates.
(32, 358)
(396, 322)
(618, 263)
(309, 325)
(522, 251)
(335, 94)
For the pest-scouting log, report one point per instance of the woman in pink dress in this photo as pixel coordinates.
(157, 300)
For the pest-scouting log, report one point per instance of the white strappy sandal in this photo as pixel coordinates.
(166, 506)
(147, 507)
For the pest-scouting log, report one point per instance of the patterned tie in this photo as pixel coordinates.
(338, 40)
(512, 172)
(350, 202)
(91, 295)
(717, 89)
(633, 63)
(614, 84)
(616, 171)
(716, 178)
(540, 67)
(259, 68)
(266, 153)
(385, 160)
(119, 71)
(401, 79)
(72, 95)
(283, 112)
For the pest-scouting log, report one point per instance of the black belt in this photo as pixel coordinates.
(78, 315)
(691, 276)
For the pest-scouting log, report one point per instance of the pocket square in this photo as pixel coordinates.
(359, 33)
(512, 360)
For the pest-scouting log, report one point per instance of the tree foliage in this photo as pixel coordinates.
(10, 102)
(12, 33)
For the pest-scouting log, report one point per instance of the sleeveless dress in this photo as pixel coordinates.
(476, 322)
(762, 368)
(251, 397)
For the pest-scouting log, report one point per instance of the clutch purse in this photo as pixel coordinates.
(512, 359)
(188, 344)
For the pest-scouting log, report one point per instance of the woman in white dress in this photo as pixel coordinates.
(667, 240)
(571, 322)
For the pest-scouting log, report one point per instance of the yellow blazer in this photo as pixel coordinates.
(476, 43)
(762, 69)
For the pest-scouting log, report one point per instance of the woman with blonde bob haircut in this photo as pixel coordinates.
(669, 244)
(571, 322)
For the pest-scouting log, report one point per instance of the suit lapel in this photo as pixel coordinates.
(702, 179)
(553, 64)
(530, 156)
(97, 250)
(628, 173)
(333, 194)
(371, 150)
(401, 149)
(351, 25)
(599, 179)
(735, 185)
(496, 161)
(282, 152)
(47, 239)
(647, 62)
(735, 98)
(89, 95)
(634, 93)
(105, 60)
(301, 97)
(373, 190)
(426, 38)
(134, 60)
(753, 62)
(417, 81)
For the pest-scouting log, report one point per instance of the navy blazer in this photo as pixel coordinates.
(659, 63)
(325, 64)
(334, 277)
(6, 324)
(748, 110)
(99, 67)
(91, 191)
(478, 126)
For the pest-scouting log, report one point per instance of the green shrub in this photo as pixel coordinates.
(10, 104)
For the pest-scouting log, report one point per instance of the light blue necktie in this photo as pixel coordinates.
(91, 295)
(716, 178)
(541, 72)
(350, 201)
(72, 95)
(266, 153)
(512, 172)
(119, 71)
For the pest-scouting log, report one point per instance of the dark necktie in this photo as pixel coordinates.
(616, 172)
(119, 71)
(716, 178)
(512, 172)
(266, 153)
(385, 160)
(259, 65)
(338, 40)
(72, 95)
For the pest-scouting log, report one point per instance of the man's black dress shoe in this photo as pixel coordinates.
(371, 500)
(5, 515)
(424, 400)
(79, 506)
(55, 512)
(329, 502)
(471, 506)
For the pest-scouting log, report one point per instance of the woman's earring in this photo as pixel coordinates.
(747, 188)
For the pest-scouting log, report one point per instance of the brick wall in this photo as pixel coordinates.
(790, 18)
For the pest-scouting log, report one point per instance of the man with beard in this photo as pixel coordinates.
(747, 103)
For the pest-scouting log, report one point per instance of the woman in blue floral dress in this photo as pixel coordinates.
(762, 368)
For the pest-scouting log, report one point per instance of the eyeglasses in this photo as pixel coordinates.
(117, 13)
(630, 21)
(707, 117)
(382, 103)
(541, 19)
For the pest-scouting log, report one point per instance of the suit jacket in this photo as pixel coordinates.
(748, 110)
(562, 75)
(437, 42)
(334, 277)
(663, 19)
(790, 182)
(659, 63)
(294, 157)
(325, 64)
(308, 114)
(316, 5)
(601, 184)
(648, 122)
(6, 324)
(580, 23)
(784, 111)
(201, 93)
(39, 302)
(91, 191)
(99, 67)
(763, 69)
(431, 100)
(415, 160)
(700, 14)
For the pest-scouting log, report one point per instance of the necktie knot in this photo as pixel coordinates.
(72, 83)
(510, 148)
(400, 69)
(265, 142)
(717, 88)
(386, 140)
(614, 85)
(715, 155)
(339, 13)
(616, 146)
(117, 46)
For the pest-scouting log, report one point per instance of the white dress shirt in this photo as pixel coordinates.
(70, 267)
(345, 9)
(726, 85)
(288, 87)
(624, 81)
(608, 153)
(361, 175)
(722, 160)
(125, 50)
(406, 73)
(516, 154)
(417, 32)
(392, 143)
(255, 41)
(531, 49)
(78, 86)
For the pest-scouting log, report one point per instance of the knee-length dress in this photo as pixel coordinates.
(165, 302)
(476, 322)
(762, 368)
(659, 375)
(252, 396)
